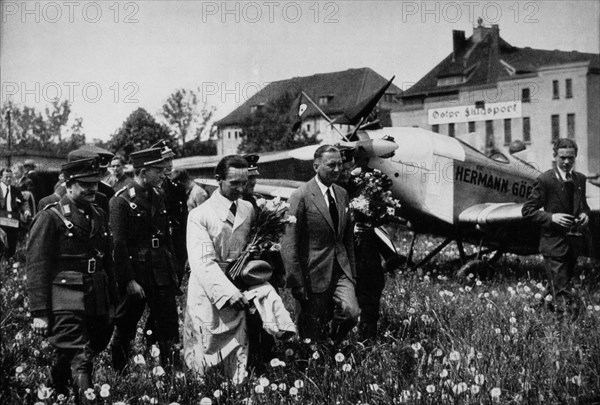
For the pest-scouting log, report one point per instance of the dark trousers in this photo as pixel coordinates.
(163, 310)
(76, 339)
(12, 236)
(560, 271)
(337, 305)
(261, 345)
(370, 282)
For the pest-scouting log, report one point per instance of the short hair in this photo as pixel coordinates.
(564, 143)
(18, 167)
(5, 169)
(236, 161)
(323, 149)
(180, 176)
(29, 164)
(120, 158)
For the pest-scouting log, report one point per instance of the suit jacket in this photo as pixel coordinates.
(310, 246)
(549, 193)
(18, 204)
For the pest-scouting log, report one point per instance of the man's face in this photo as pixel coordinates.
(233, 185)
(169, 168)
(155, 176)
(565, 158)
(250, 184)
(83, 192)
(7, 177)
(116, 167)
(328, 167)
(18, 173)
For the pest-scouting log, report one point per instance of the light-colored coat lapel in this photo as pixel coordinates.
(319, 201)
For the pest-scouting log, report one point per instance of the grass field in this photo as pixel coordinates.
(442, 340)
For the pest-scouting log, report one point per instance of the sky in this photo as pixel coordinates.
(109, 58)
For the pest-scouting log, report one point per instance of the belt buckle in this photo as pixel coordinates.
(91, 266)
(155, 243)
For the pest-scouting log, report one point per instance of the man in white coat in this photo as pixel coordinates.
(214, 332)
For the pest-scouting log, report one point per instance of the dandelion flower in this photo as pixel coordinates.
(264, 381)
(149, 332)
(498, 331)
(513, 330)
(299, 384)
(479, 379)
(44, 392)
(495, 393)
(273, 387)
(217, 393)
(158, 371)
(478, 283)
(155, 351)
(346, 367)
(316, 356)
(475, 389)
(274, 362)
(597, 308)
(444, 373)
(416, 346)
(139, 359)
(289, 352)
(19, 370)
(307, 341)
(105, 391)
(459, 388)
(454, 355)
(430, 388)
(438, 352)
(512, 320)
(259, 389)
(293, 391)
(576, 380)
(548, 298)
(373, 387)
(89, 394)
(206, 401)
(339, 357)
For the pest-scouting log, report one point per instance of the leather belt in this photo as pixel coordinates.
(89, 266)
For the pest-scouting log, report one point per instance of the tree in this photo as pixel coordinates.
(270, 129)
(182, 113)
(140, 131)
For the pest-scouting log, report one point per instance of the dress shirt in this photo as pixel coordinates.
(324, 189)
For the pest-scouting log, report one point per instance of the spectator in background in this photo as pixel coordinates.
(14, 210)
(34, 181)
(118, 179)
(196, 195)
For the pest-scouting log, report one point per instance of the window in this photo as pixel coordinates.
(228, 134)
(569, 88)
(555, 121)
(526, 130)
(507, 131)
(571, 126)
(471, 126)
(489, 128)
(526, 95)
(555, 92)
(451, 130)
(307, 127)
(324, 100)
(435, 128)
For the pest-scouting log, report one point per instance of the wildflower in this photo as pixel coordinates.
(274, 362)
(459, 388)
(346, 367)
(291, 219)
(299, 384)
(158, 371)
(155, 351)
(498, 331)
(153, 401)
(438, 352)
(306, 341)
(44, 392)
(597, 308)
(273, 387)
(289, 352)
(527, 289)
(259, 389)
(513, 330)
(416, 346)
(149, 332)
(139, 359)
(478, 283)
(89, 394)
(495, 393)
(174, 403)
(179, 375)
(468, 288)
(217, 393)
(264, 381)
(444, 373)
(61, 398)
(373, 387)
(18, 370)
(105, 391)
(475, 389)
(206, 401)
(293, 391)
(454, 355)
(412, 311)
(479, 379)
(576, 380)
(494, 293)
(430, 388)
(512, 320)
(316, 355)
(339, 357)
(548, 298)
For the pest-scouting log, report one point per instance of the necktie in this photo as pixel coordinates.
(231, 215)
(569, 176)
(332, 209)
(7, 199)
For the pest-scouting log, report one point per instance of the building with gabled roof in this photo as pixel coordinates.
(335, 93)
(489, 90)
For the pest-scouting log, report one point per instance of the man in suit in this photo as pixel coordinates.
(146, 270)
(70, 279)
(318, 252)
(14, 210)
(118, 179)
(32, 181)
(560, 192)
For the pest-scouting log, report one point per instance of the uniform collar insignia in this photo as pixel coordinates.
(66, 209)
(132, 192)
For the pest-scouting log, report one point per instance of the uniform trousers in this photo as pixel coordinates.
(163, 310)
(77, 339)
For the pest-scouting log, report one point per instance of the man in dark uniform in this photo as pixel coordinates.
(146, 271)
(253, 174)
(70, 278)
(105, 192)
(369, 251)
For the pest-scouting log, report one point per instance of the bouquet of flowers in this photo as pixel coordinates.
(373, 204)
(269, 224)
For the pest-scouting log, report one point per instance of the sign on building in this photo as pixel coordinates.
(466, 113)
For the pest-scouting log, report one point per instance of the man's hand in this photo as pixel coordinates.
(300, 294)
(40, 326)
(133, 288)
(26, 216)
(238, 301)
(564, 220)
(583, 219)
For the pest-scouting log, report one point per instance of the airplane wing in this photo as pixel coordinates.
(492, 213)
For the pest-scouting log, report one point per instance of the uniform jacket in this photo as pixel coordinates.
(18, 203)
(213, 331)
(310, 246)
(142, 241)
(60, 276)
(550, 194)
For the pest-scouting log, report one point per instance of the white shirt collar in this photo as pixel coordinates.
(324, 188)
(563, 174)
(222, 204)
